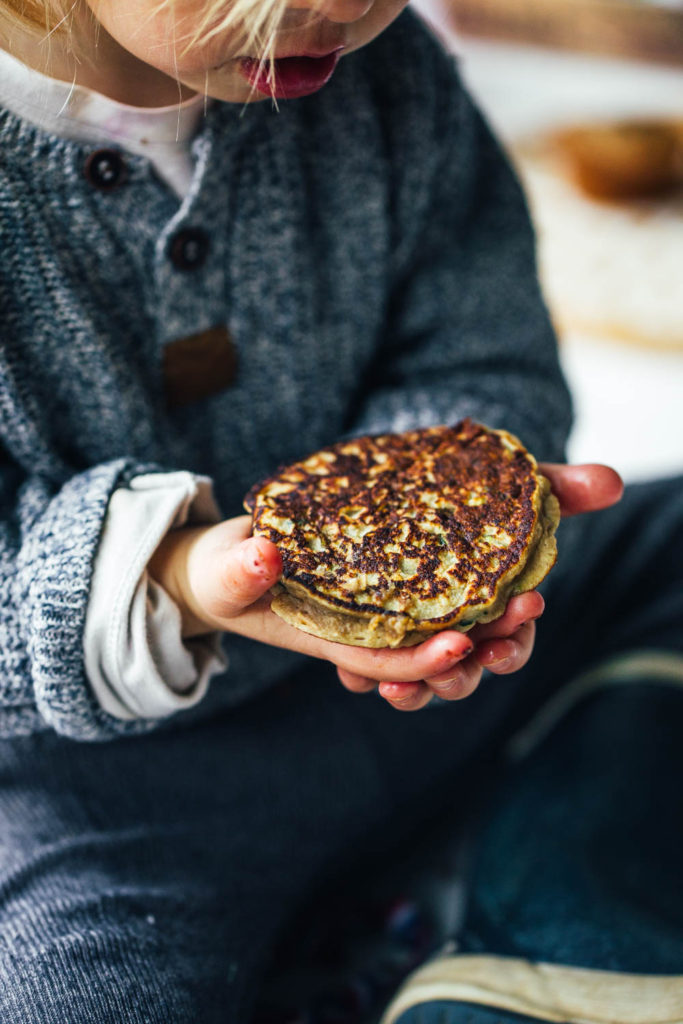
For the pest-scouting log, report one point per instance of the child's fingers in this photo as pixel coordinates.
(503, 656)
(356, 683)
(402, 665)
(458, 683)
(249, 570)
(583, 488)
(521, 609)
(406, 664)
(508, 650)
(230, 578)
(405, 696)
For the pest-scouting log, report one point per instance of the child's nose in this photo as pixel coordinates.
(341, 11)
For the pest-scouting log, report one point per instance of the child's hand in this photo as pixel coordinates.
(503, 646)
(220, 576)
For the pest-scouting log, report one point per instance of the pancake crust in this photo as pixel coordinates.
(386, 540)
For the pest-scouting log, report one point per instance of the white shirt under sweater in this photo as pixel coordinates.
(135, 658)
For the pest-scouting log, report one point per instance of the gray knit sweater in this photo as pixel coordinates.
(370, 253)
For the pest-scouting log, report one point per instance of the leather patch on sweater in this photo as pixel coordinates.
(199, 366)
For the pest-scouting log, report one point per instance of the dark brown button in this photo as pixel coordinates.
(189, 248)
(105, 169)
(199, 366)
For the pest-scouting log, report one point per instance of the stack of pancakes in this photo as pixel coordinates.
(386, 540)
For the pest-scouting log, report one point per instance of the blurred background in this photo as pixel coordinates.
(587, 97)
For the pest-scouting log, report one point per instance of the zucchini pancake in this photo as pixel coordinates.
(387, 540)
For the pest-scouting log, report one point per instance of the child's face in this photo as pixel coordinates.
(311, 38)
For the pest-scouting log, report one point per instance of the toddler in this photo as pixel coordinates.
(231, 233)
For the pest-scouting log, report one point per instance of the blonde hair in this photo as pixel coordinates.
(35, 14)
(253, 23)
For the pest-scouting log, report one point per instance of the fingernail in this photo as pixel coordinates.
(387, 683)
(500, 663)
(504, 651)
(399, 696)
(446, 685)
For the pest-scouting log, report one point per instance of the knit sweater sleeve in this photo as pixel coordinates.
(48, 541)
(467, 332)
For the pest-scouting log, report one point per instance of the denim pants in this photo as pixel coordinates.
(146, 880)
(575, 904)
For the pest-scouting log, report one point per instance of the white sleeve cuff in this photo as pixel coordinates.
(135, 658)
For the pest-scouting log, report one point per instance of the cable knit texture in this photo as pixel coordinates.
(370, 253)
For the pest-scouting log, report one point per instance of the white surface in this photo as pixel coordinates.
(629, 406)
(526, 89)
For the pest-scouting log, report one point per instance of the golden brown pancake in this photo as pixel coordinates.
(386, 540)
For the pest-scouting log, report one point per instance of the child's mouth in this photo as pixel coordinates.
(292, 76)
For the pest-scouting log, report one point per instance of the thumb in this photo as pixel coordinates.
(232, 576)
(583, 488)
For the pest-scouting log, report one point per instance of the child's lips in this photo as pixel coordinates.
(298, 75)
